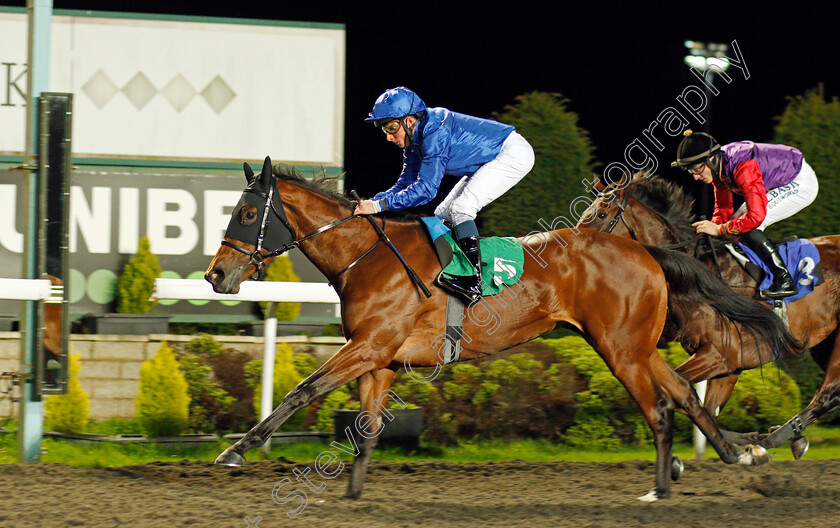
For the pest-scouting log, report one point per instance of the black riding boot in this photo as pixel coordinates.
(467, 287)
(783, 284)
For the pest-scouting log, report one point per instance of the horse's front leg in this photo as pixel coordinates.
(373, 393)
(352, 361)
(825, 400)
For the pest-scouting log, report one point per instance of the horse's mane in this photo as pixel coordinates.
(667, 199)
(320, 182)
(326, 185)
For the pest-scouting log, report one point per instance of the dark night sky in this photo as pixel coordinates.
(618, 66)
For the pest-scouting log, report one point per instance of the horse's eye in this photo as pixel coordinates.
(247, 215)
(602, 215)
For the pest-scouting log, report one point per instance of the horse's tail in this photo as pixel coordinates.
(691, 284)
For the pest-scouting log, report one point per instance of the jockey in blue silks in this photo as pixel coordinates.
(490, 156)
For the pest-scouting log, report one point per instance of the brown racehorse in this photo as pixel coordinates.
(609, 289)
(52, 324)
(657, 212)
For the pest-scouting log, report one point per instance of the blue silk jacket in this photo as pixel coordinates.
(445, 142)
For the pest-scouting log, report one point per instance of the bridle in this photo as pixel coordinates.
(619, 215)
(260, 254)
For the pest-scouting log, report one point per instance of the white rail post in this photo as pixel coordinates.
(699, 438)
(269, 352)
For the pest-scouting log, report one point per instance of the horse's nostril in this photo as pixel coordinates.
(214, 276)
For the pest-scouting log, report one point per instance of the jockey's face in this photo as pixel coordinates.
(398, 137)
(701, 172)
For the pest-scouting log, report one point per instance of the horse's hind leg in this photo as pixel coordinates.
(373, 392)
(349, 363)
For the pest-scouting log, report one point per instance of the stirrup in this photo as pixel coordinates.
(450, 285)
(771, 293)
(780, 309)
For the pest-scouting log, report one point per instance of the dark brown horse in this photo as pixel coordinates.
(657, 212)
(609, 289)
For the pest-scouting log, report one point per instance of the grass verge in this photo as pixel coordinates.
(824, 444)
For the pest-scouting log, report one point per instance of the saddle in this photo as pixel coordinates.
(502, 257)
(801, 257)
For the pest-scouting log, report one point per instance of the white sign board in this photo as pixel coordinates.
(185, 90)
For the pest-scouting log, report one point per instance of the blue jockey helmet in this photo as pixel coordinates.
(395, 103)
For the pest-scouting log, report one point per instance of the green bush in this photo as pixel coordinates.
(812, 124)
(305, 364)
(516, 397)
(286, 378)
(204, 344)
(68, 413)
(162, 405)
(137, 281)
(606, 415)
(762, 398)
(280, 270)
(337, 399)
(207, 399)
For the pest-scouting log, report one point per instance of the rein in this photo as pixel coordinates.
(259, 255)
(258, 258)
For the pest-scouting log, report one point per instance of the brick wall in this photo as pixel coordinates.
(111, 364)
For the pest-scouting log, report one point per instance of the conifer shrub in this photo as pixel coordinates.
(564, 156)
(811, 123)
(68, 413)
(305, 364)
(280, 270)
(162, 405)
(227, 379)
(137, 281)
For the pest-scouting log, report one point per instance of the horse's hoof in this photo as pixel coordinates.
(651, 496)
(676, 469)
(754, 455)
(229, 457)
(799, 446)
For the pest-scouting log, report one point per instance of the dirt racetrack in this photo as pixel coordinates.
(428, 494)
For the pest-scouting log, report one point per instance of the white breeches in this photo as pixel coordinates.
(787, 200)
(492, 180)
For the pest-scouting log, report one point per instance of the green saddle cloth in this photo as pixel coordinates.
(503, 260)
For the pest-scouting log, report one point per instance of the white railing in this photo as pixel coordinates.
(28, 289)
(269, 291)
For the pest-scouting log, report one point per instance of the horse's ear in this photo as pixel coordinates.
(599, 185)
(642, 174)
(265, 175)
(626, 179)
(249, 173)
